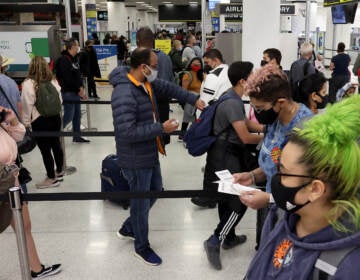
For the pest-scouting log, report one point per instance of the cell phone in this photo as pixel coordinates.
(3, 114)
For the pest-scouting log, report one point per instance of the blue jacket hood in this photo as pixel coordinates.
(119, 76)
(283, 255)
(326, 239)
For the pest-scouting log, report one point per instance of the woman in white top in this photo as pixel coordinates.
(50, 147)
(12, 131)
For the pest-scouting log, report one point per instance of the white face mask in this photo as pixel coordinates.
(152, 76)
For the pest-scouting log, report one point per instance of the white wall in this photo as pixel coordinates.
(321, 18)
(261, 28)
(118, 18)
(298, 20)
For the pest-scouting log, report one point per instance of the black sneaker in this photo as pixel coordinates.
(213, 254)
(124, 233)
(203, 202)
(149, 257)
(81, 140)
(229, 244)
(46, 271)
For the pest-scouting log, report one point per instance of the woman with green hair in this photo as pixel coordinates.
(317, 185)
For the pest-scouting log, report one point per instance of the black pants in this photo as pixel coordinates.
(91, 86)
(224, 155)
(163, 109)
(49, 144)
(336, 83)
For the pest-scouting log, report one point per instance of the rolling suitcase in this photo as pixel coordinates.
(112, 179)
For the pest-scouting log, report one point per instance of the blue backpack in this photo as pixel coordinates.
(200, 137)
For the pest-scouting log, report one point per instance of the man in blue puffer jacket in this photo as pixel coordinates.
(138, 133)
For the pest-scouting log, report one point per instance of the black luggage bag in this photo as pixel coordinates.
(112, 179)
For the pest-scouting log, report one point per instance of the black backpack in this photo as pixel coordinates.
(296, 85)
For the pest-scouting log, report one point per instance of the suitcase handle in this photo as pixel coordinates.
(107, 179)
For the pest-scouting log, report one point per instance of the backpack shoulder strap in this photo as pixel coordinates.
(188, 73)
(11, 105)
(306, 68)
(329, 261)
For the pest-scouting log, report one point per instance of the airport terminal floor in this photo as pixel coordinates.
(81, 235)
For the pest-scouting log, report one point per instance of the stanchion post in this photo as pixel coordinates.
(88, 118)
(16, 207)
(67, 169)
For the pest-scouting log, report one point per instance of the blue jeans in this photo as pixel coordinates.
(72, 112)
(148, 179)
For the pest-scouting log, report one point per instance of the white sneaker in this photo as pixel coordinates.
(48, 183)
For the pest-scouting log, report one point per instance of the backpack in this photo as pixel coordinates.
(179, 76)
(200, 137)
(48, 102)
(296, 85)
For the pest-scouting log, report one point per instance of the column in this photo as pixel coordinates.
(261, 28)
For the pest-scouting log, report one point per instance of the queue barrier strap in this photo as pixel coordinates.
(83, 133)
(104, 102)
(114, 195)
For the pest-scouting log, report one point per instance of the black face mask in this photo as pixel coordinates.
(285, 196)
(266, 116)
(263, 63)
(323, 103)
(2, 116)
(207, 68)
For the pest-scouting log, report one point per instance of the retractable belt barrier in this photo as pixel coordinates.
(104, 102)
(83, 133)
(113, 195)
(101, 102)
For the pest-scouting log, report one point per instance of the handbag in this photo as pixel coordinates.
(24, 176)
(28, 143)
(7, 181)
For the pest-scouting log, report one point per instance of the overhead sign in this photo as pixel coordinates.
(226, 9)
(328, 3)
(287, 9)
(232, 12)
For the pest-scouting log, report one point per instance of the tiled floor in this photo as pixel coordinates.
(82, 234)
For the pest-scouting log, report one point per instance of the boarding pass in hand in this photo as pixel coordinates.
(226, 184)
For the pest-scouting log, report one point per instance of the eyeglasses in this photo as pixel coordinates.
(294, 175)
(279, 173)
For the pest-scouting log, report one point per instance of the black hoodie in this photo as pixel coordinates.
(68, 73)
